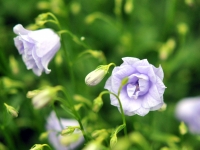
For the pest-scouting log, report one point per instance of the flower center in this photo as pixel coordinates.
(138, 87)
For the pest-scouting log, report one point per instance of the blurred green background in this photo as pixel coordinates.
(165, 32)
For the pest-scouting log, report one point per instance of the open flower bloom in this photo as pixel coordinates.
(36, 47)
(144, 90)
(66, 142)
(188, 111)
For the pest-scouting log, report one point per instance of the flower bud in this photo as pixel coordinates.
(98, 102)
(182, 128)
(13, 65)
(94, 77)
(43, 136)
(38, 146)
(41, 98)
(68, 130)
(11, 110)
(113, 141)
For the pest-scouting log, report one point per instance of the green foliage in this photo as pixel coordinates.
(98, 32)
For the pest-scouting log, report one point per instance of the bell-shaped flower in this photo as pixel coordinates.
(65, 142)
(142, 90)
(188, 111)
(36, 47)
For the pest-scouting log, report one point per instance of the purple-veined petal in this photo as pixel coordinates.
(160, 86)
(129, 60)
(19, 45)
(153, 92)
(142, 111)
(147, 70)
(159, 72)
(124, 71)
(143, 62)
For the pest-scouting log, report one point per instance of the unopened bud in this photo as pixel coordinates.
(68, 130)
(66, 140)
(43, 136)
(11, 110)
(182, 28)
(182, 128)
(98, 102)
(113, 141)
(14, 65)
(94, 77)
(128, 7)
(41, 98)
(39, 146)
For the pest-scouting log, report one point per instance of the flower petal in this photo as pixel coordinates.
(129, 60)
(147, 70)
(20, 30)
(46, 40)
(142, 111)
(159, 72)
(108, 84)
(160, 86)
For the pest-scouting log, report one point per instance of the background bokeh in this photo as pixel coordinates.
(165, 32)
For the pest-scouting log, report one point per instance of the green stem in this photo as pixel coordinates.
(7, 138)
(47, 146)
(69, 63)
(58, 117)
(54, 17)
(74, 37)
(121, 109)
(71, 103)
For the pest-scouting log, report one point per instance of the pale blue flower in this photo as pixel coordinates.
(188, 111)
(36, 47)
(144, 90)
(59, 142)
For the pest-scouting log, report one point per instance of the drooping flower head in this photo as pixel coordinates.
(36, 47)
(67, 142)
(144, 90)
(188, 111)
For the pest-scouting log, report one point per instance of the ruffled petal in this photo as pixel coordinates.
(147, 70)
(150, 101)
(20, 30)
(129, 60)
(159, 72)
(153, 92)
(19, 45)
(124, 71)
(46, 40)
(142, 111)
(160, 86)
(143, 62)
(47, 58)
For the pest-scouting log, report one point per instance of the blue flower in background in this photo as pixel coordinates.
(144, 90)
(36, 47)
(188, 111)
(66, 142)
